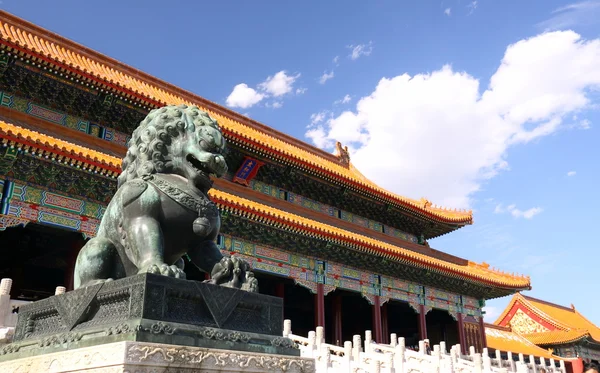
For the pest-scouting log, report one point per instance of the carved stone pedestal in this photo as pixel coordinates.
(142, 357)
(155, 309)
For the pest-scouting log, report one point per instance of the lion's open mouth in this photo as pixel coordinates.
(200, 167)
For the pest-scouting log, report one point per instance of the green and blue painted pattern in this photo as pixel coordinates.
(9, 100)
(299, 200)
(44, 207)
(282, 263)
(37, 196)
(41, 206)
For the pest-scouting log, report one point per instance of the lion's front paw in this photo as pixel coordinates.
(251, 284)
(166, 270)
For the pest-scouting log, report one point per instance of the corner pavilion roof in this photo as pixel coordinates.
(556, 324)
(503, 339)
(48, 48)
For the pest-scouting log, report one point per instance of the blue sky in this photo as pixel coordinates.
(519, 149)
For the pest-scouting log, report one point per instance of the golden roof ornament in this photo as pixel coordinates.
(342, 153)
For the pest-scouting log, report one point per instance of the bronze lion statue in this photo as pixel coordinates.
(161, 210)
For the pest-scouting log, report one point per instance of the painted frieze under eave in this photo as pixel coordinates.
(11, 135)
(22, 37)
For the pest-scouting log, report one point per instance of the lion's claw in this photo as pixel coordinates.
(166, 270)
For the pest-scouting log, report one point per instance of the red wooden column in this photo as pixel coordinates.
(461, 334)
(320, 302)
(422, 323)
(377, 319)
(384, 323)
(337, 320)
(482, 331)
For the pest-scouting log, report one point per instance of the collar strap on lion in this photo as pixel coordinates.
(204, 206)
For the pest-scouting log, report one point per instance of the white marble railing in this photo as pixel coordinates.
(358, 357)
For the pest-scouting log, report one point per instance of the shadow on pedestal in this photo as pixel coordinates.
(151, 308)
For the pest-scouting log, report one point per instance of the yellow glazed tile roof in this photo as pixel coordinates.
(570, 324)
(556, 336)
(31, 39)
(261, 212)
(11, 132)
(505, 340)
(478, 272)
(569, 317)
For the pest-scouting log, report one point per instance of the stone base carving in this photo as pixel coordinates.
(143, 357)
(151, 308)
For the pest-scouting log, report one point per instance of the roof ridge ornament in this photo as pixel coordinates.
(342, 153)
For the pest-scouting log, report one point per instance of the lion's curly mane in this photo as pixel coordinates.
(149, 149)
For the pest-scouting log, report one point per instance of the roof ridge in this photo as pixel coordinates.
(586, 319)
(497, 327)
(524, 300)
(548, 303)
(159, 83)
(92, 65)
(527, 303)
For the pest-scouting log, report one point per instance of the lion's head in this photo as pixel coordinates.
(180, 140)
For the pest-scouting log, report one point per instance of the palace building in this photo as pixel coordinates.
(342, 252)
(561, 331)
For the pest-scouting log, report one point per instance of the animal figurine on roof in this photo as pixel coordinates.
(161, 210)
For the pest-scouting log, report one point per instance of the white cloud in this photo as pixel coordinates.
(575, 14)
(243, 97)
(325, 77)
(336, 60)
(472, 6)
(491, 314)
(279, 84)
(500, 209)
(360, 50)
(275, 104)
(317, 118)
(448, 12)
(276, 85)
(317, 135)
(301, 91)
(437, 135)
(583, 124)
(571, 173)
(346, 99)
(316, 131)
(516, 213)
(527, 214)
